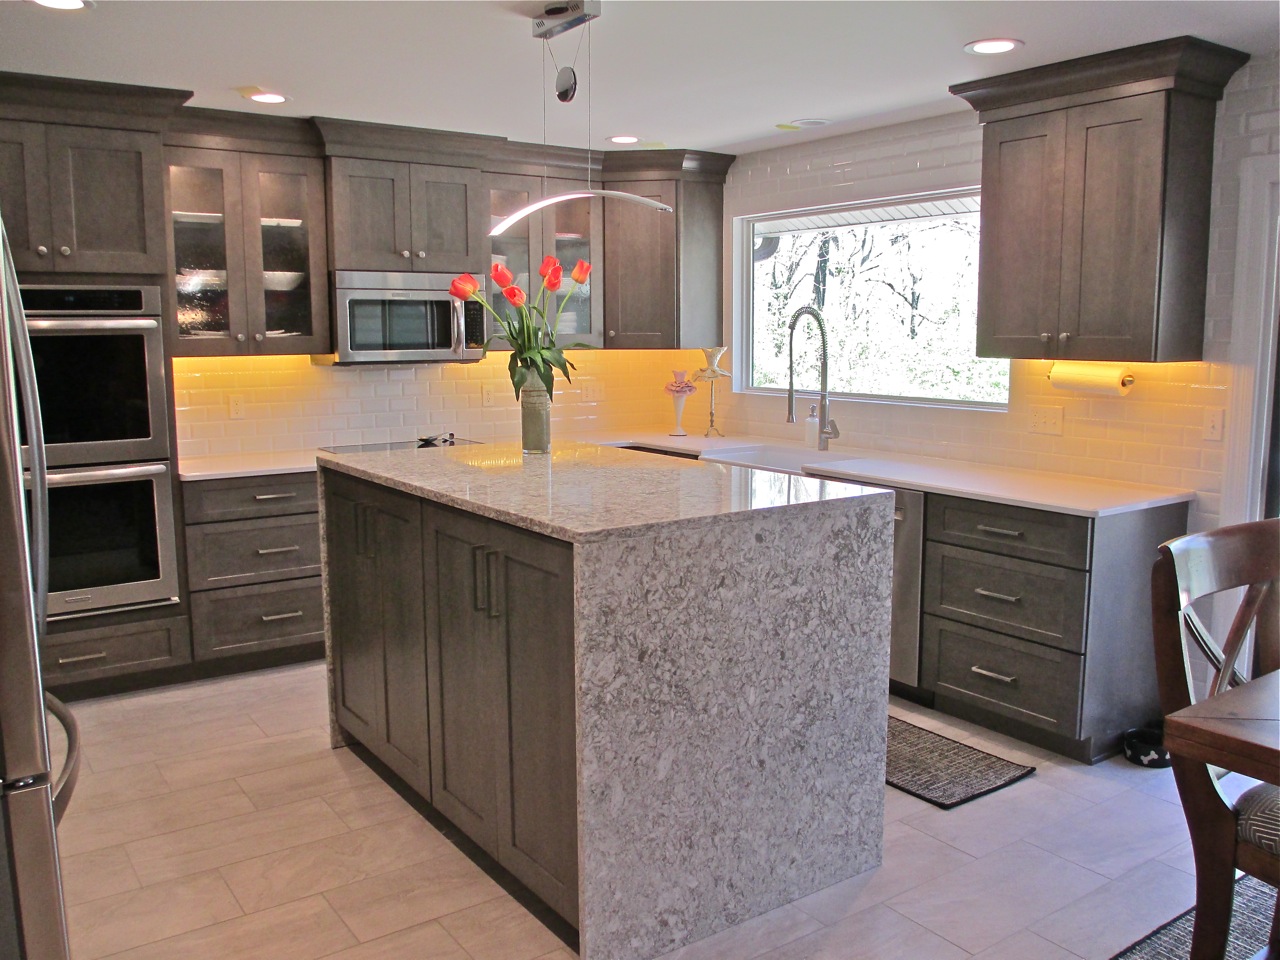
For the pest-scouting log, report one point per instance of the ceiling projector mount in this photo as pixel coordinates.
(561, 17)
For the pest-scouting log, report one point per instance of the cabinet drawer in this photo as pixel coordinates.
(106, 651)
(1025, 681)
(252, 551)
(1013, 531)
(241, 498)
(1035, 601)
(260, 617)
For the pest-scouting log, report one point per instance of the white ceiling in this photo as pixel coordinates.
(710, 74)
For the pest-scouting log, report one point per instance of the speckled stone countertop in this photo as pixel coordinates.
(582, 492)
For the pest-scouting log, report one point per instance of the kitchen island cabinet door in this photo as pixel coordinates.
(500, 637)
(374, 564)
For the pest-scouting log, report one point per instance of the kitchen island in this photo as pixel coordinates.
(653, 689)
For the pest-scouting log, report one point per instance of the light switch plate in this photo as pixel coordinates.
(1046, 419)
(1214, 422)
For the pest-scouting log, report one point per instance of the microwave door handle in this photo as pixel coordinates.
(459, 326)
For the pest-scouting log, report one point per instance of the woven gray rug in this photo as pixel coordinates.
(1250, 923)
(940, 770)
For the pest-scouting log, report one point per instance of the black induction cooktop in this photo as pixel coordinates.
(422, 443)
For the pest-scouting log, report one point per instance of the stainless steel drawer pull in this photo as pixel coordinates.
(263, 551)
(999, 531)
(996, 596)
(994, 676)
(63, 661)
(274, 496)
(269, 617)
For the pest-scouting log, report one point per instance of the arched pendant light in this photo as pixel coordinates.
(544, 202)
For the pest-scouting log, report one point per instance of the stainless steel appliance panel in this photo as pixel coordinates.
(908, 547)
(37, 878)
(403, 318)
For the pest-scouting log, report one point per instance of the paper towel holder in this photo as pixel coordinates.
(1126, 381)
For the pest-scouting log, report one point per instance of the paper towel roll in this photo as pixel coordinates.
(1108, 379)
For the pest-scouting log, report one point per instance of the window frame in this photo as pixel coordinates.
(743, 313)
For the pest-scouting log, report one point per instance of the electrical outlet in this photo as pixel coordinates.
(1047, 419)
(488, 395)
(1214, 421)
(593, 391)
(236, 404)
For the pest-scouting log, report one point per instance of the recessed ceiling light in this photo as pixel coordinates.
(995, 45)
(624, 139)
(258, 95)
(810, 122)
(65, 4)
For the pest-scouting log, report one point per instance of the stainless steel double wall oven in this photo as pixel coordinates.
(100, 374)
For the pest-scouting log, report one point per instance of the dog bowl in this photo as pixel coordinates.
(1145, 747)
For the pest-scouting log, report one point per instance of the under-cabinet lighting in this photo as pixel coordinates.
(992, 46)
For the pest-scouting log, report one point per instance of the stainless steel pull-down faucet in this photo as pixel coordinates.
(827, 429)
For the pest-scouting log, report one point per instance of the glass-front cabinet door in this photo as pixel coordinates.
(249, 253)
(287, 290)
(208, 250)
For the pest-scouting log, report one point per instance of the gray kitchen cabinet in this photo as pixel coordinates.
(570, 231)
(94, 653)
(500, 646)
(1096, 180)
(1038, 623)
(392, 216)
(82, 199)
(248, 250)
(253, 564)
(377, 609)
(662, 272)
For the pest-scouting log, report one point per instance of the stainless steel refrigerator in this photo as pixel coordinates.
(32, 919)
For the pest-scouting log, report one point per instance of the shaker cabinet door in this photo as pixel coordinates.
(448, 220)
(640, 268)
(107, 200)
(370, 208)
(1021, 242)
(24, 194)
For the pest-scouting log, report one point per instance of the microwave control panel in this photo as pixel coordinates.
(473, 324)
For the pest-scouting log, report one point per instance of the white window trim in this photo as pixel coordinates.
(742, 244)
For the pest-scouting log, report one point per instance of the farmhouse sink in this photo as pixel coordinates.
(767, 456)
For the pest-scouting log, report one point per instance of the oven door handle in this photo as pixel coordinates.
(92, 326)
(74, 478)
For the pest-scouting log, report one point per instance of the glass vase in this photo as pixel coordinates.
(535, 417)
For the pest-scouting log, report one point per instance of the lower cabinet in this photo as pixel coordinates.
(377, 621)
(453, 663)
(97, 652)
(500, 649)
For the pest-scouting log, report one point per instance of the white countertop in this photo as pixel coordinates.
(1062, 493)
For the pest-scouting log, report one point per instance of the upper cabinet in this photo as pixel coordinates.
(82, 174)
(571, 230)
(1096, 180)
(406, 216)
(663, 272)
(248, 253)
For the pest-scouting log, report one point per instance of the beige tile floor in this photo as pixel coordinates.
(213, 822)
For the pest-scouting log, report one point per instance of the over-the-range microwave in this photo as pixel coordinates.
(402, 318)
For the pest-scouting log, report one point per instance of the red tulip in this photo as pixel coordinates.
(553, 278)
(580, 271)
(464, 286)
(514, 295)
(501, 275)
(548, 264)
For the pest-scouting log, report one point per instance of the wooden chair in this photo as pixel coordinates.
(1224, 838)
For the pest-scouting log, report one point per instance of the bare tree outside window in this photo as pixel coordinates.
(899, 296)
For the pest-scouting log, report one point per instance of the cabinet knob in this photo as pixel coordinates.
(613, 333)
(422, 254)
(42, 251)
(65, 251)
(405, 254)
(1064, 337)
(240, 337)
(259, 337)
(1045, 337)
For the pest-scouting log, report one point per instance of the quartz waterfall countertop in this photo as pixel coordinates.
(584, 492)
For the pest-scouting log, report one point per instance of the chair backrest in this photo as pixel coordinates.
(1245, 556)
